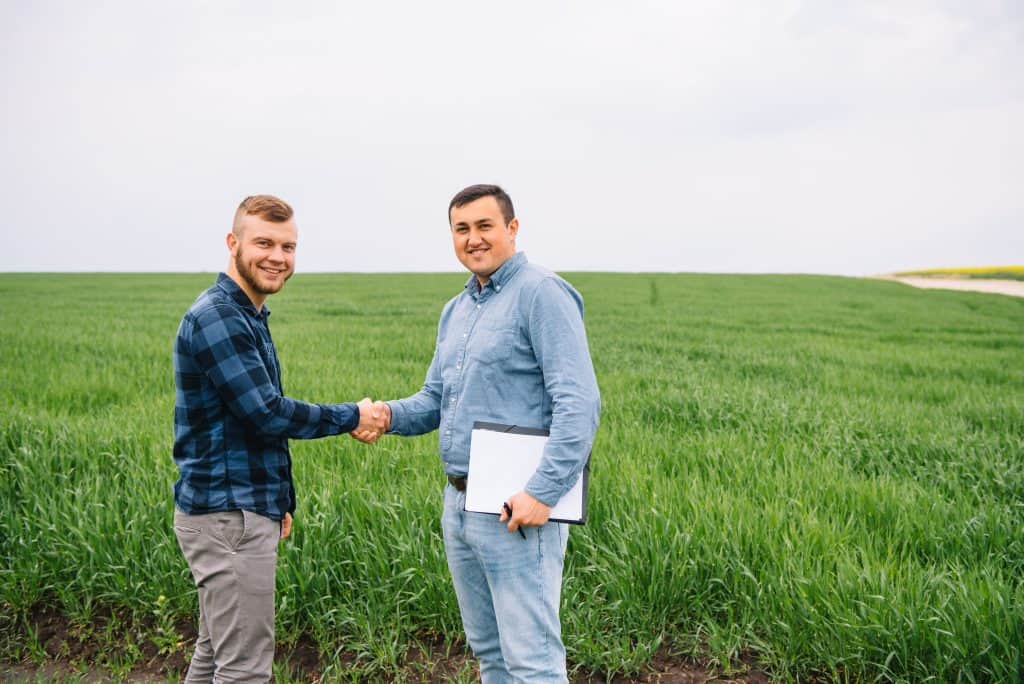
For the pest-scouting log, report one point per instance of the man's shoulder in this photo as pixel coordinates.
(450, 304)
(537, 279)
(212, 305)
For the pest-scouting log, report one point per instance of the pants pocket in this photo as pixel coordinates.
(234, 534)
(256, 559)
(185, 523)
(226, 528)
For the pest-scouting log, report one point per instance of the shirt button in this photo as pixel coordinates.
(478, 306)
(453, 400)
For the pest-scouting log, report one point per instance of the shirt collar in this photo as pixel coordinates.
(501, 277)
(231, 289)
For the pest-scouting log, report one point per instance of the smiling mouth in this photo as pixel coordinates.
(272, 271)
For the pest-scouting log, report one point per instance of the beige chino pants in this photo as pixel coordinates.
(233, 558)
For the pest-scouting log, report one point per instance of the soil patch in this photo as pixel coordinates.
(71, 653)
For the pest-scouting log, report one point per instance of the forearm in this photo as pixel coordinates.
(282, 416)
(227, 355)
(570, 439)
(415, 415)
(420, 413)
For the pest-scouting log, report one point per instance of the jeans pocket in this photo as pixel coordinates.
(186, 530)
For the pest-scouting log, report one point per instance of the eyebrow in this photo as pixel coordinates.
(267, 238)
(479, 222)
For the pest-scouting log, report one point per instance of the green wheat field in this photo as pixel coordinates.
(823, 474)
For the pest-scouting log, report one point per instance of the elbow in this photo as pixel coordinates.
(265, 417)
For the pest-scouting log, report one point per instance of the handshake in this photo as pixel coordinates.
(374, 420)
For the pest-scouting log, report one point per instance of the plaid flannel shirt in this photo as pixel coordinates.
(231, 418)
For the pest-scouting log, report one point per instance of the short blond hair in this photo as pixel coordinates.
(267, 207)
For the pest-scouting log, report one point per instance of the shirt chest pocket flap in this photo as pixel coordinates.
(493, 343)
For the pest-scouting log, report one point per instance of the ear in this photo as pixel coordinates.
(513, 227)
(232, 241)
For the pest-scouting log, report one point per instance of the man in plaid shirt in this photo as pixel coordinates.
(234, 497)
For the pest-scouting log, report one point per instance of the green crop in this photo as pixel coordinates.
(826, 473)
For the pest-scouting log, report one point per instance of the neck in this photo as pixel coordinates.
(484, 279)
(256, 298)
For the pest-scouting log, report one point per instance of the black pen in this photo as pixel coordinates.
(508, 509)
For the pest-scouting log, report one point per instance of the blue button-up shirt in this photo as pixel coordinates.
(512, 352)
(231, 419)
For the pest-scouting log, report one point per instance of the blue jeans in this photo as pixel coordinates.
(508, 590)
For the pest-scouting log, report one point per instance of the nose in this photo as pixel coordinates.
(277, 255)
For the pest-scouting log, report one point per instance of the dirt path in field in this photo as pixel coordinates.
(1014, 288)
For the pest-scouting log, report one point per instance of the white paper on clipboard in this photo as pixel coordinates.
(502, 458)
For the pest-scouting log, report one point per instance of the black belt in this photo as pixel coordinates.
(457, 482)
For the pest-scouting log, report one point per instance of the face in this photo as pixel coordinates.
(483, 241)
(262, 256)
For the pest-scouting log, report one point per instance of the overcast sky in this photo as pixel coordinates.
(820, 137)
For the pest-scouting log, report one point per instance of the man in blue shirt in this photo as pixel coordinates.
(511, 348)
(234, 498)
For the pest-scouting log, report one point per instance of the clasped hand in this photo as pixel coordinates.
(374, 420)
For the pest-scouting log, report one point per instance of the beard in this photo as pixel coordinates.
(250, 278)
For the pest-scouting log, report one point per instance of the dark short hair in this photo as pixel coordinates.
(475, 192)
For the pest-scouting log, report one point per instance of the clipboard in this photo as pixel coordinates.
(502, 458)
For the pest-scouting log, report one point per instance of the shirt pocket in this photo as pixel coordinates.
(493, 345)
